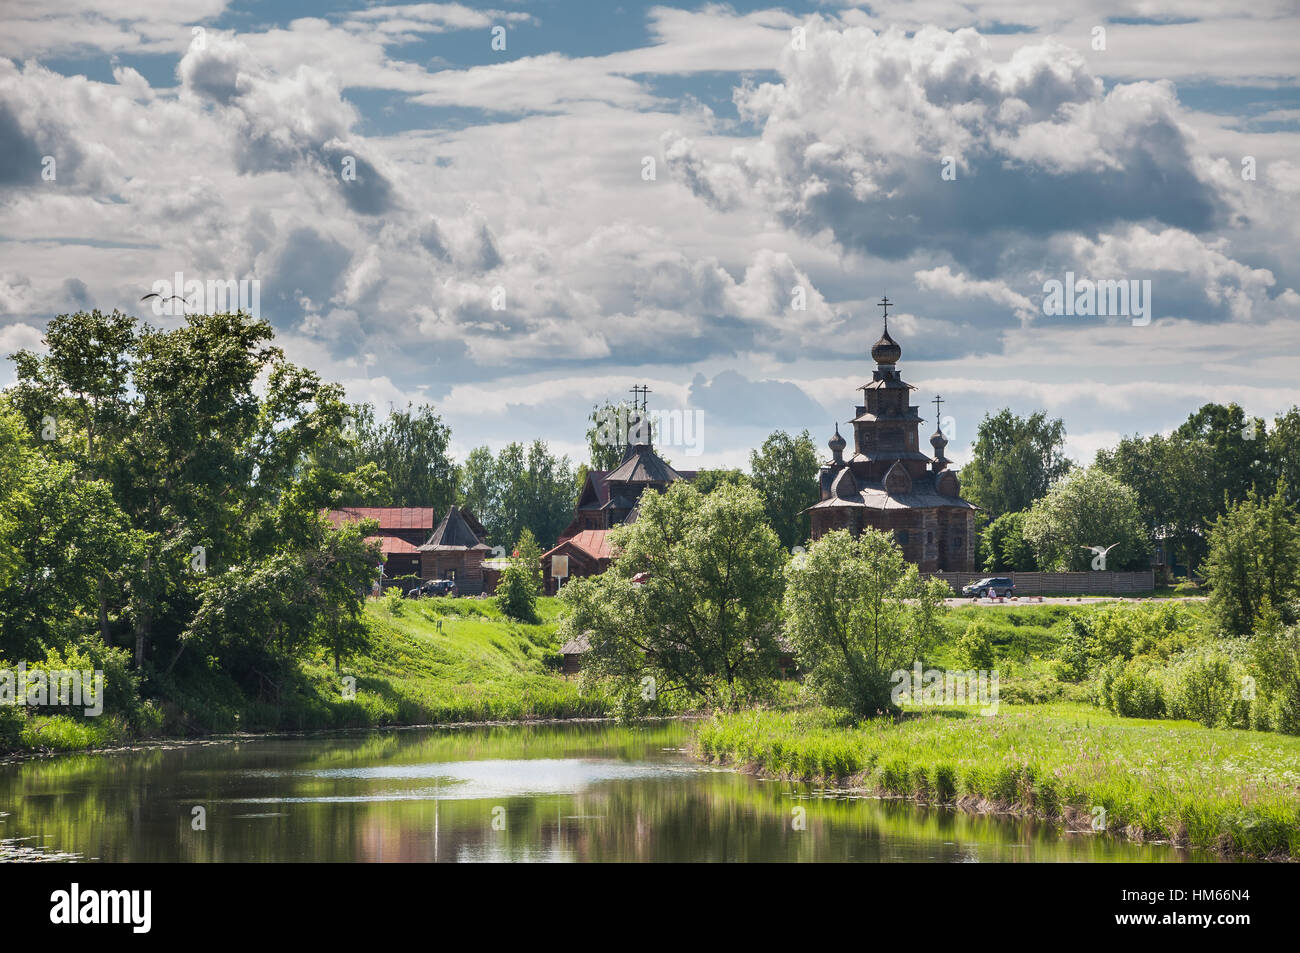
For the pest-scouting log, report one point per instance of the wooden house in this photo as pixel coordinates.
(401, 531)
(455, 550)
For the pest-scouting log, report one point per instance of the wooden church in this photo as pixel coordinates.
(888, 482)
(609, 498)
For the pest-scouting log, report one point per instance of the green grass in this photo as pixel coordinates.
(1234, 791)
(479, 667)
(1015, 629)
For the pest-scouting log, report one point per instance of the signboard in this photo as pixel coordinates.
(560, 567)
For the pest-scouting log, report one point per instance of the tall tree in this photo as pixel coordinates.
(518, 488)
(1283, 441)
(1087, 508)
(704, 624)
(207, 442)
(1185, 481)
(1254, 561)
(1014, 460)
(784, 472)
(410, 447)
(607, 435)
(856, 612)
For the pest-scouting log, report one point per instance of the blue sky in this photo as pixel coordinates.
(503, 254)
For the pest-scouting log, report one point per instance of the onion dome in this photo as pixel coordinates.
(938, 441)
(837, 443)
(886, 350)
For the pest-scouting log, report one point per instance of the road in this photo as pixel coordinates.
(1071, 600)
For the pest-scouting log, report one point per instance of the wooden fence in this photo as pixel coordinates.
(1060, 583)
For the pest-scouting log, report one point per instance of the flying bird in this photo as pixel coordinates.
(161, 299)
(1099, 555)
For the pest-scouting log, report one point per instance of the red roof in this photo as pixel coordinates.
(593, 542)
(393, 545)
(389, 517)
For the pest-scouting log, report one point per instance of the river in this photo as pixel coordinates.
(550, 792)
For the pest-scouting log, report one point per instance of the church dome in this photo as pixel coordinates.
(886, 350)
(938, 440)
(837, 443)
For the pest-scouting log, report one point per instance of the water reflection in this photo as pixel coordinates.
(575, 792)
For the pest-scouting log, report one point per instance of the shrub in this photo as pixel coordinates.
(1207, 688)
(1133, 690)
(517, 593)
(975, 647)
(1275, 658)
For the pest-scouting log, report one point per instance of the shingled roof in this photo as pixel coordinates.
(643, 465)
(388, 517)
(453, 533)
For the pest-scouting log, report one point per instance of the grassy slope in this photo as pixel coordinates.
(1229, 790)
(479, 667)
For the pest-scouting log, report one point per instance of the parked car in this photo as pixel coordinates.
(990, 586)
(433, 587)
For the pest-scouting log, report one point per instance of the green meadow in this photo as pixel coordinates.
(1230, 790)
(433, 660)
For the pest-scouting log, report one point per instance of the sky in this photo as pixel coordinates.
(518, 210)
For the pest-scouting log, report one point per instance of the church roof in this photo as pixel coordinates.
(877, 456)
(872, 495)
(643, 465)
(453, 533)
(887, 383)
(599, 491)
(867, 417)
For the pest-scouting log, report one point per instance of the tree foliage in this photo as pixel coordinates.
(705, 623)
(607, 435)
(179, 481)
(1254, 561)
(1014, 461)
(1185, 481)
(856, 611)
(1087, 508)
(409, 446)
(1003, 547)
(520, 488)
(784, 472)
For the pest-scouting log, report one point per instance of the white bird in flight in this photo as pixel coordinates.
(1099, 554)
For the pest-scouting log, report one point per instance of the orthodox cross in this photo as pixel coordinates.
(884, 304)
(937, 401)
(639, 392)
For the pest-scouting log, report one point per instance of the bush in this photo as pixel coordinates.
(1275, 658)
(517, 593)
(1207, 689)
(975, 647)
(1132, 689)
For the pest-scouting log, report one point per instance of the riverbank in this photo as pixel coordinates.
(1236, 792)
(429, 661)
